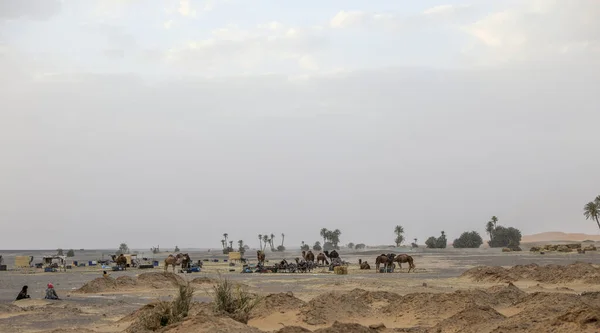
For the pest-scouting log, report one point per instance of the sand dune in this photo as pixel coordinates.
(558, 236)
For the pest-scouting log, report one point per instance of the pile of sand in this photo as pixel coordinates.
(9, 308)
(356, 303)
(584, 272)
(507, 295)
(473, 319)
(124, 283)
(338, 327)
(98, 285)
(293, 329)
(160, 280)
(274, 303)
(204, 280)
(210, 324)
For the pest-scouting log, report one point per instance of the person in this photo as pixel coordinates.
(23, 294)
(50, 292)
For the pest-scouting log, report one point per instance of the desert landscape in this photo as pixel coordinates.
(451, 290)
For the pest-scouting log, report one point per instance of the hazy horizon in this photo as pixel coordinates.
(173, 122)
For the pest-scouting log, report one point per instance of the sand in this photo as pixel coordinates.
(452, 292)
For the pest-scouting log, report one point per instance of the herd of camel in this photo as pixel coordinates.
(387, 260)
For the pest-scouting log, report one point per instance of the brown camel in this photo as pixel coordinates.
(120, 260)
(405, 258)
(384, 260)
(322, 259)
(185, 261)
(173, 261)
(260, 256)
(310, 256)
(364, 264)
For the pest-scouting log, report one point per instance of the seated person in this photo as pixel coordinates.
(23, 294)
(50, 292)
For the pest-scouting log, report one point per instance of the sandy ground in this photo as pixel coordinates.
(447, 293)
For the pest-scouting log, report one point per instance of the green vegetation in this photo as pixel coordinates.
(437, 243)
(233, 301)
(591, 211)
(399, 231)
(470, 240)
(501, 236)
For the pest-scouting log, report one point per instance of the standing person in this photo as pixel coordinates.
(50, 292)
(23, 294)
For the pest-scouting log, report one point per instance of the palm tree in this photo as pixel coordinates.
(272, 237)
(265, 241)
(282, 238)
(259, 241)
(324, 233)
(225, 235)
(241, 243)
(223, 243)
(231, 245)
(591, 211)
(399, 230)
(415, 240)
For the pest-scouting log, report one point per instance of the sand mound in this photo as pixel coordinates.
(204, 280)
(584, 272)
(338, 327)
(277, 303)
(507, 295)
(125, 281)
(576, 318)
(70, 330)
(442, 305)
(473, 319)
(9, 308)
(210, 324)
(355, 303)
(293, 329)
(98, 285)
(160, 280)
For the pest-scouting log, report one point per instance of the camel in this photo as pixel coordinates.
(332, 255)
(173, 261)
(260, 255)
(405, 258)
(121, 261)
(364, 264)
(322, 259)
(185, 261)
(384, 260)
(310, 256)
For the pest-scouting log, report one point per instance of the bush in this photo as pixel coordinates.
(470, 240)
(505, 237)
(59, 252)
(71, 253)
(305, 247)
(165, 313)
(431, 242)
(317, 246)
(233, 301)
(360, 246)
(281, 248)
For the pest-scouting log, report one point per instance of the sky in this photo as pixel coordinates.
(172, 122)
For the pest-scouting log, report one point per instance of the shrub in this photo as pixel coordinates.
(70, 253)
(471, 240)
(165, 313)
(431, 242)
(233, 301)
(280, 248)
(505, 237)
(317, 246)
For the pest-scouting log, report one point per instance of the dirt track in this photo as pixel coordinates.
(435, 299)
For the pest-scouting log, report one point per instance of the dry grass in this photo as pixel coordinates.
(233, 301)
(165, 313)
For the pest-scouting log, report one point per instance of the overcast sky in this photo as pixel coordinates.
(173, 122)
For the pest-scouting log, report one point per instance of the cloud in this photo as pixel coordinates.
(32, 9)
(445, 9)
(246, 151)
(345, 19)
(185, 9)
(168, 24)
(270, 46)
(538, 31)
